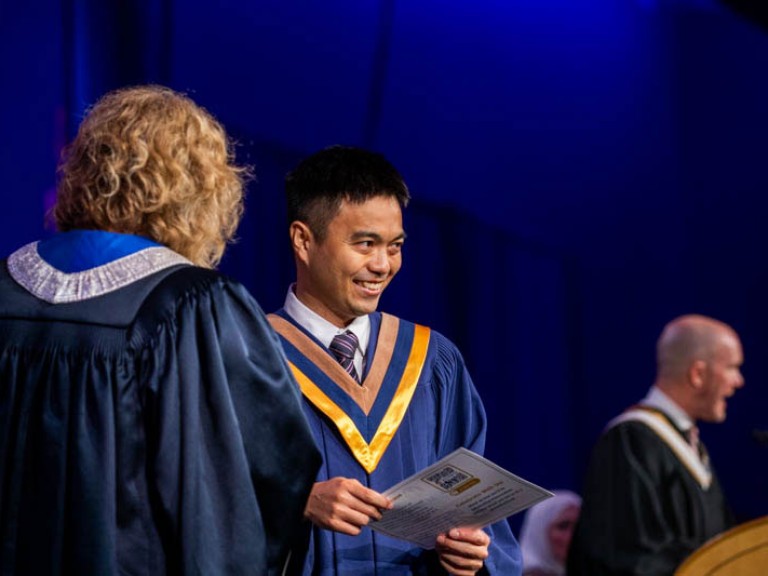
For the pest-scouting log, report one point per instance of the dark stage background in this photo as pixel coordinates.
(583, 171)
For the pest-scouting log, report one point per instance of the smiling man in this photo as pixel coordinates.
(384, 397)
(650, 495)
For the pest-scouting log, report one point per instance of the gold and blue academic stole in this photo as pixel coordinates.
(659, 423)
(367, 415)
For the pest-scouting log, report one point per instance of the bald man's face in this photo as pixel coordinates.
(722, 377)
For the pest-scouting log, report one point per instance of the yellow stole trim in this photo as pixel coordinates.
(368, 455)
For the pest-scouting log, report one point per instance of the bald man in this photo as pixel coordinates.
(651, 496)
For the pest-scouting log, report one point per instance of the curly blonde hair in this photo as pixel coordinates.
(149, 161)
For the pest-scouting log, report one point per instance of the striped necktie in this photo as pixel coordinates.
(692, 435)
(343, 347)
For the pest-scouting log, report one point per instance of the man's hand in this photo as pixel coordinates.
(344, 505)
(463, 550)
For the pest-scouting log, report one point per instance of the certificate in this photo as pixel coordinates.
(462, 489)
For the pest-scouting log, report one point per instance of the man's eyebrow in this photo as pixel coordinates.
(362, 234)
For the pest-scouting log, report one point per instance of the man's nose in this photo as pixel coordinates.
(379, 261)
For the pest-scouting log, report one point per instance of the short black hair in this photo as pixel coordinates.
(316, 187)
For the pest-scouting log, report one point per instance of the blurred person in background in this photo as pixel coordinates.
(651, 495)
(545, 535)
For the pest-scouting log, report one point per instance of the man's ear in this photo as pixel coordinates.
(301, 239)
(696, 372)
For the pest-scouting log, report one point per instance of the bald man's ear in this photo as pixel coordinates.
(301, 238)
(696, 373)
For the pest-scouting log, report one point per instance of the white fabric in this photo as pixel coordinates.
(534, 534)
(47, 283)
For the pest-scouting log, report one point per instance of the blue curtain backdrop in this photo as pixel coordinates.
(582, 172)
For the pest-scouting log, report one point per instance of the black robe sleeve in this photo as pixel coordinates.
(231, 457)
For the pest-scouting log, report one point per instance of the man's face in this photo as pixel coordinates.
(347, 272)
(722, 377)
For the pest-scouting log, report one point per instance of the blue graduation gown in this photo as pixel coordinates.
(442, 411)
(149, 423)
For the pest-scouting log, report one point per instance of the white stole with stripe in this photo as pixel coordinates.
(684, 451)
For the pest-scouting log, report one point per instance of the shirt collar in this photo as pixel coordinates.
(320, 328)
(659, 400)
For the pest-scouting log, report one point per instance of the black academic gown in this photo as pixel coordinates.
(643, 512)
(151, 430)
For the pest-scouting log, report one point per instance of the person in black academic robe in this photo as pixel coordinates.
(149, 423)
(651, 496)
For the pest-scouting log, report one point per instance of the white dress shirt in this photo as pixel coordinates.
(324, 331)
(657, 399)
